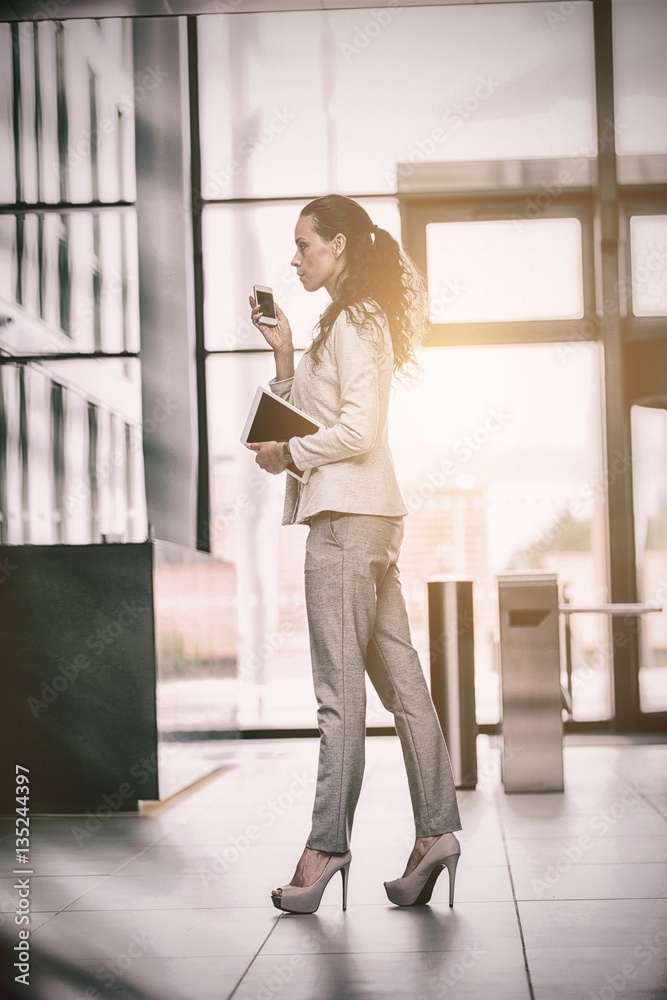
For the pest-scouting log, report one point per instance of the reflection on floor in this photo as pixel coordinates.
(557, 896)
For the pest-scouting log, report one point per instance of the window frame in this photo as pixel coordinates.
(418, 211)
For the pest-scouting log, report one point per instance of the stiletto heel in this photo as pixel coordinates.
(306, 899)
(345, 871)
(416, 888)
(451, 863)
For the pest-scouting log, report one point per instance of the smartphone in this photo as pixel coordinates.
(264, 299)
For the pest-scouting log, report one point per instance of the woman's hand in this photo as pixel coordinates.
(279, 337)
(269, 456)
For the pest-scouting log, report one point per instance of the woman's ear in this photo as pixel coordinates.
(338, 243)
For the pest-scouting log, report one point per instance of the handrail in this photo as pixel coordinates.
(609, 609)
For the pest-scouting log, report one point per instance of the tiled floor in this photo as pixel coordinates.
(557, 896)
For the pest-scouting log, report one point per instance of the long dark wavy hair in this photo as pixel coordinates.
(378, 271)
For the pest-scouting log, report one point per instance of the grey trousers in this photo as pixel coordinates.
(358, 622)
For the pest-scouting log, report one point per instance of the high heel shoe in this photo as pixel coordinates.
(416, 888)
(306, 899)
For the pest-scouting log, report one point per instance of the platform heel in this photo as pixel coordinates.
(416, 888)
(307, 898)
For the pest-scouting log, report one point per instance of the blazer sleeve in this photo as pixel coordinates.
(282, 387)
(355, 432)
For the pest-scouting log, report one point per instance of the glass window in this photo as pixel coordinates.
(356, 92)
(246, 245)
(246, 509)
(649, 454)
(76, 484)
(48, 98)
(648, 254)
(8, 254)
(508, 478)
(64, 275)
(640, 76)
(69, 90)
(25, 87)
(96, 303)
(94, 134)
(7, 174)
(29, 265)
(128, 279)
(498, 271)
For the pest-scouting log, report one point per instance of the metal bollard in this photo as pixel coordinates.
(532, 725)
(452, 661)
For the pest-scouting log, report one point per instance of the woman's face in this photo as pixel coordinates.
(317, 262)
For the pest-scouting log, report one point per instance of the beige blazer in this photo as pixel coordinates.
(348, 392)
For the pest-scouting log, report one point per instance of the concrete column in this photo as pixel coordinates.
(166, 299)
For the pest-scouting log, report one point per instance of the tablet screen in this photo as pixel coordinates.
(273, 421)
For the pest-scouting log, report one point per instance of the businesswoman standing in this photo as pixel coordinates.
(357, 618)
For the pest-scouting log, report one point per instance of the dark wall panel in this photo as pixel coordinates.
(78, 676)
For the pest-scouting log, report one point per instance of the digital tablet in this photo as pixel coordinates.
(273, 419)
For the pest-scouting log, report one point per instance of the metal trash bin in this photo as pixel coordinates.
(452, 663)
(532, 725)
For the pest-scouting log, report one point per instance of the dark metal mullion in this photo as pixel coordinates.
(267, 199)
(23, 207)
(203, 480)
(244, 350)
(620, 517)
(23, 359)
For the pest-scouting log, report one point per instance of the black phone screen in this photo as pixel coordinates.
(266, 304)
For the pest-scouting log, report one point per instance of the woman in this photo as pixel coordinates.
(357, 619)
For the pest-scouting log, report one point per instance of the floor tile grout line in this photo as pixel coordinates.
(73, 901)
(647, 800)
(254, 957)
(516, 904)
